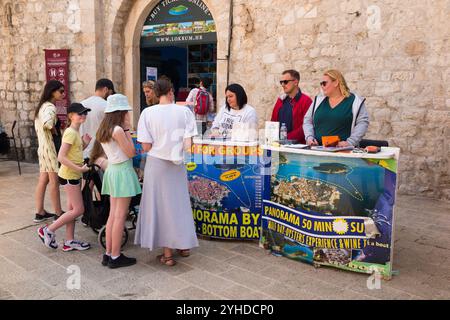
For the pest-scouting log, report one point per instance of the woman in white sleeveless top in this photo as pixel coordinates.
(120, 181)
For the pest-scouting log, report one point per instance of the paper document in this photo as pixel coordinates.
(296, 146)
(331, 149)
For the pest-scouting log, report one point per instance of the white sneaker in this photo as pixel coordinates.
(47, 237)
(75, 245)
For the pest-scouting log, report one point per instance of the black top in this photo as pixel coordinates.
(285, 114)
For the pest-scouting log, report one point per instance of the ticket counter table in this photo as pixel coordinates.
(332, 209)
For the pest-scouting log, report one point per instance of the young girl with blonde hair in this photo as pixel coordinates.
(72, 168)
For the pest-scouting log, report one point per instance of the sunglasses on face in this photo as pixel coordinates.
(61, 91)
(324, 83)
(85, 113)
(285, 82)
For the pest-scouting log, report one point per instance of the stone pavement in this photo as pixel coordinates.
(215, 270)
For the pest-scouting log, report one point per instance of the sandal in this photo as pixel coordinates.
(168, 261)
(184, 252)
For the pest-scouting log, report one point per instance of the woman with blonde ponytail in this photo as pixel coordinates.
(336, 112)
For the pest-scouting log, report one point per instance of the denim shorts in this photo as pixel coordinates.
(63, 182)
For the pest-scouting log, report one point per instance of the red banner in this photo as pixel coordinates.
(57, 68)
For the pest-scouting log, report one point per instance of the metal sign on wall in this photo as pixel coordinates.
(178, 21)
(57, 68)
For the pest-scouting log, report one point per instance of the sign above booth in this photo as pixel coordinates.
(174, 22)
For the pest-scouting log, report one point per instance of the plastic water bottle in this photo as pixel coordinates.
(283, 132)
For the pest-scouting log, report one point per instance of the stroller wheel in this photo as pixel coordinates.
(96, 230)
(102, 237)
(134, 222)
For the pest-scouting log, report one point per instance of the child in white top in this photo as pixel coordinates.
(120, 181)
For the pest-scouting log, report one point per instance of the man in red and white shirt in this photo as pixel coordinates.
(292, 106)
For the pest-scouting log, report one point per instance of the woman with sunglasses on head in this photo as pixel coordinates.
(336, 112)
(44, 124)
(71, 158)
(149, 93)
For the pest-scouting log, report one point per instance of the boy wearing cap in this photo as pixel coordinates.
(71, 158)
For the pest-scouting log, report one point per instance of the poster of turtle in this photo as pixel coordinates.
(333, 211)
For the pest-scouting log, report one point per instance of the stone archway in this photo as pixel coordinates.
(125, 35)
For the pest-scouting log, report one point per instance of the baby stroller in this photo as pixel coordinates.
(96, 206)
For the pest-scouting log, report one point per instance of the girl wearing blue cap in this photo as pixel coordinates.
(71, 157)
(120, 181)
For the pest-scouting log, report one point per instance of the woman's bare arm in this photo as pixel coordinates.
(125, 142)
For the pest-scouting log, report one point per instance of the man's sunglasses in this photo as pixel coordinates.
(61, 91)
(285, 82)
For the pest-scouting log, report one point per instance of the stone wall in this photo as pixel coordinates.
(394, 53)
(27, 28)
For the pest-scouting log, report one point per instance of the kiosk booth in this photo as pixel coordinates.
(324, 208)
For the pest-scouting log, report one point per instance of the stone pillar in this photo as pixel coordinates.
(91, 63)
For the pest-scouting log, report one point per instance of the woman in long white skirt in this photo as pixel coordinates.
(165, 215)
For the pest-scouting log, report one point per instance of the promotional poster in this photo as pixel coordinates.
(332, 211)
(226, 190)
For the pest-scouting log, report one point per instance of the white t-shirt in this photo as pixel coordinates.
(225, 119)
(166, 127)
(93, 120)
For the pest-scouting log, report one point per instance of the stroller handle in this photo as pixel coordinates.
(94, 166)
(93, 169)
(86, 162)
